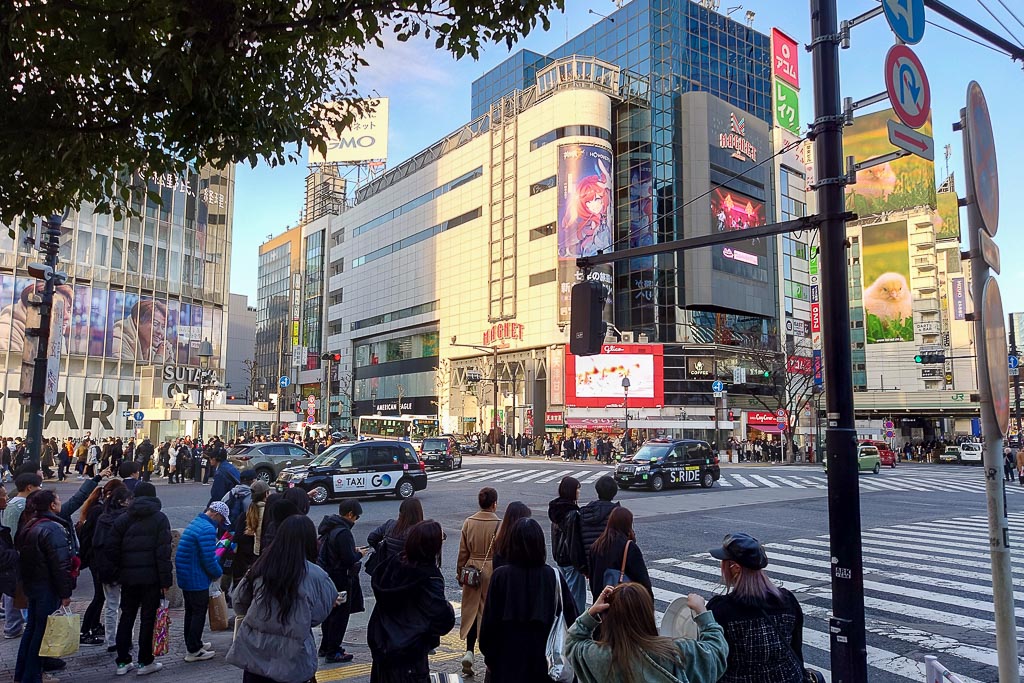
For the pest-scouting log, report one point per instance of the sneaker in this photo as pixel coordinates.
(467, 663)
(150, 668)
(339, 658)
(91, 639)
(208, 647)
(12, 636)
(200, 656)
(122, 669)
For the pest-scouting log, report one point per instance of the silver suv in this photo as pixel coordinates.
(268, 459)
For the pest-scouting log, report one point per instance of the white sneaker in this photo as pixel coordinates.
(467, 663)
(200, 656)
(208, 647)
(150, 668)
(122, 669)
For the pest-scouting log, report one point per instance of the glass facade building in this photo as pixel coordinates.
(141, 292)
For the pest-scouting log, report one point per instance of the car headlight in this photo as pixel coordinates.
(299, 476)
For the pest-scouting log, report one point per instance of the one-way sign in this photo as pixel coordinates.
(910, 140)
(126, 413)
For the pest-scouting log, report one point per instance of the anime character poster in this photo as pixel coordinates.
(584, 200)
(641, 212)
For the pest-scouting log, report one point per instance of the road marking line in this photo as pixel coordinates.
(743, 481)
(948, 545)
(907, 553)
(790, 482)
(724, 481)
(533, 476)
(556, 475)
(594, 477)
(767, 482)
(514, 475)
(813, 483)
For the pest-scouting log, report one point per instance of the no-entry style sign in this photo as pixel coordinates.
(907, 85)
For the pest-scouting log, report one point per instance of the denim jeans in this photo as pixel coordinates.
(577, 586)
(196, 605)
(41, 604)
(14, 620)
(111, 612)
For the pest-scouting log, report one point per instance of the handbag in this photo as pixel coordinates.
(559, 668)
(470, 575)
(614, 578)
(162, 628)
(62, 634)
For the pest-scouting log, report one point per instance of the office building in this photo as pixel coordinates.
(240, 376)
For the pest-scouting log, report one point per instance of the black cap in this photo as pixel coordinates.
(743, 549)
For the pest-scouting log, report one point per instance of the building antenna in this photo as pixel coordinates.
(948, 152)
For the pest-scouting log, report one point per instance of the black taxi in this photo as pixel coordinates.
(669, 462)
(363, 468)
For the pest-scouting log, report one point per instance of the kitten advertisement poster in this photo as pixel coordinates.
(892, 186)
(888, 303)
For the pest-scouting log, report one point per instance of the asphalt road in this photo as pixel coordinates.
(926, 559)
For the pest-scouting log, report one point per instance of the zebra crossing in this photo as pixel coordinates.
(906, 479)
(927, 586)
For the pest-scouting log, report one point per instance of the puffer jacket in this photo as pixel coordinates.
(558, 510)
(47, 558)
(411, 614)
(140, 542)
(281, 652)
(8, 562)
(593, 519)
(196, 562)
(104, 563)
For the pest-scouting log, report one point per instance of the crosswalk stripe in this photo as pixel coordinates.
(949, 546)
(791, 483)
(743, 481)
(724, 481)
(813, 483)
(514, 475)
(594, 477)
(556, 475)
(905, 551)
(766, 482)
(480, 475)
(539, 473)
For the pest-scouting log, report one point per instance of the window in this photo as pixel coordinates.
(297, 452)
(419, 201)
(542, 278)
(570, 131)
(418, 237)
(392, 316)
(542, 185)
(542, 231)
(381, 455)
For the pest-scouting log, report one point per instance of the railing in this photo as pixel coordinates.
(936, 673)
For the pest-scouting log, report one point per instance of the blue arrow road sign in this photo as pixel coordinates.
(139, 416)
(126, 413)
(718, 385)
(1014, 362)
(285, 381)
(906, 19)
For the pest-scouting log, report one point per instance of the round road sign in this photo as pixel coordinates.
(310, 420)
(907, 85)
(889, 434)
(982, 151)
(995, 352)
(906, 19)
(718, 386)
(781, 426)
(139, 416)
(285, 381)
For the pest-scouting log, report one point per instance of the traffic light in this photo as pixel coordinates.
(586, 328)
(333, 357)
(930, 357)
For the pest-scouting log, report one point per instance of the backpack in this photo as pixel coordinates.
(237, 509)
(569, 546)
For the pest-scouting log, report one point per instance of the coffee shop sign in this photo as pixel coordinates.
(503, 332)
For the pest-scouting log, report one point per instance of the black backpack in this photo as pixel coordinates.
(568, 546)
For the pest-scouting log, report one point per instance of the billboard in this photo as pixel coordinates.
(948, 208)
(585, 214)
(894, 185)
(365, 139)
(959, 298)
(888, 302)
(596, 381)
(731, 210)
(785, 63)
(641, 212)
(104, 323)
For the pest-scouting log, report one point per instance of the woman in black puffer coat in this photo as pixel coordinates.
(48, 565)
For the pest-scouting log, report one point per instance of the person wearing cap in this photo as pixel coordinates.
(140, 542)
(197, 567)
(763, 622)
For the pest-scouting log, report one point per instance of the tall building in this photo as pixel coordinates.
(141, 295)
(279, 312)
(647, 127)
(240, 374)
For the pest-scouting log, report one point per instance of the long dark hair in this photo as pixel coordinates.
(620, 525)
(423, 544)
(526, 547)
(515, 511)
(410, 513)
(117, 500)
(282, 567)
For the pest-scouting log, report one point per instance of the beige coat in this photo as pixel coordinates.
(477, 535)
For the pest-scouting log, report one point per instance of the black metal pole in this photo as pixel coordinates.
(846, 628)
(34, 432)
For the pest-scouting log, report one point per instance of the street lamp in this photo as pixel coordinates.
(493, 350)
(205, 354)
(625, 403)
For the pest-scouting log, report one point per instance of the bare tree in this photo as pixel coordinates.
(442, 388)
(249, 367)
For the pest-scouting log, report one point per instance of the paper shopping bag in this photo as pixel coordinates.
(218, 612)
(61, 637)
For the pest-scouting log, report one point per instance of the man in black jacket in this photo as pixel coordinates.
(144, 457)
(8, 555)
(593, 520)
(341, 559)
(141, 543)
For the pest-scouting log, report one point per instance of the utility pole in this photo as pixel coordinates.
(846, 627)
(50, 277)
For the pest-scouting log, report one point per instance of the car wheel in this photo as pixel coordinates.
(707, 480)
(448, 465)
(657, 482)
(405, 489)
(265, 474)
(318, 496)
(460, 462)
(623, 486)
(877, 468)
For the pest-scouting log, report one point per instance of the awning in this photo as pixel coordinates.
(766, 429)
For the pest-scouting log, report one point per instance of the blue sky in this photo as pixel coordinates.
(429, 93)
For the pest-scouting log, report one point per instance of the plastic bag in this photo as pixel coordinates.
(61, 637)
(162, 628)
(558, 666)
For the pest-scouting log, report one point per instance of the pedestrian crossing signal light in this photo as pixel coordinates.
(930, 358)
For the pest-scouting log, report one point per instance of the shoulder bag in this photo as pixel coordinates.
(559, 668)
(378, 556)
(614, 578)
(470, 574)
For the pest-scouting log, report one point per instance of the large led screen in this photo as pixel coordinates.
(734, 211)
(597, 380)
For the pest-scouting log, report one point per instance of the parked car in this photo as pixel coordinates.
(971, 453)
(268, 459)
(868, 459)
(441, 451)
(951, 454)
(887, 455)
(365, 468)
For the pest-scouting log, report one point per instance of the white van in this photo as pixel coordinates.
(970, 453)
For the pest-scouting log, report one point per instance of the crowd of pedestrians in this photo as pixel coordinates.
(284, 577)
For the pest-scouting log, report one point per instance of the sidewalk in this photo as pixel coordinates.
(92, 663)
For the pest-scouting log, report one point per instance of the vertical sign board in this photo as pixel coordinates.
(785, 82)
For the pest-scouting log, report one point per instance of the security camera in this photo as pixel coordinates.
(40, 271)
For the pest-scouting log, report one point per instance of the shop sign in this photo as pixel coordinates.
(503, 332)
(554, 419)
(815, 317)
(784, 58)
(594, 423)
(699, 367)
(736, 140)
(800, 365)
(761, 418)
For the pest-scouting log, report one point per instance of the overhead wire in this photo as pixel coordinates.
(1000, 22)
(968, 38)
(1010, 12)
